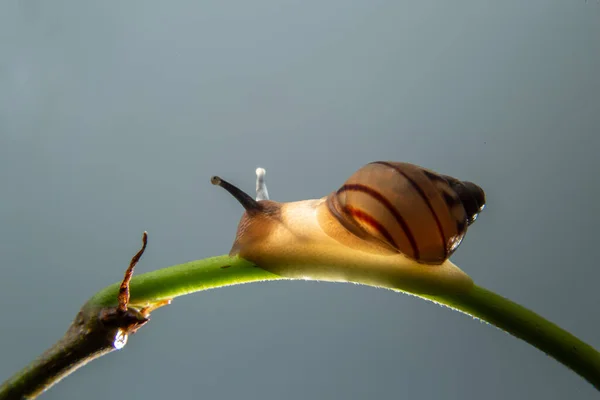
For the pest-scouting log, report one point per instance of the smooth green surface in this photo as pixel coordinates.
(154, 287)
(182, 279)
(531, 327)
(481, 303)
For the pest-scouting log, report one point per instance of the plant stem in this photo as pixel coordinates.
(478, 302)
(169, 283)
(91, 335)
(154, 288)
(100, 327)
(524, 324)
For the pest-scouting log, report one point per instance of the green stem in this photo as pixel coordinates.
(179, 280)
(478, 302)
(524, 324)
(155, 287)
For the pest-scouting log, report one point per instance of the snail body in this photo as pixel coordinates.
(391, 224)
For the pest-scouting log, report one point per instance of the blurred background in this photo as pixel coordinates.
(114, 115)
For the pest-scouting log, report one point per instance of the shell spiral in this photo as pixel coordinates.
(415, 211)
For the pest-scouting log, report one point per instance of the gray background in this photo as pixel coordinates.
(113, 116)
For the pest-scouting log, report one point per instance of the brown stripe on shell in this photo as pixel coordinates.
(451, 201)
(461, 226)
(425, 198)
(472, 197)
(434, 177)
(372, 222)
(391, 209)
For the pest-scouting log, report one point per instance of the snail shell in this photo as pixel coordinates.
(407, 208)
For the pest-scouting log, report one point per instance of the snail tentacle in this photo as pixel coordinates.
(261, 186)
(249, 204)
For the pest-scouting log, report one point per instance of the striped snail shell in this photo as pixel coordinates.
(413, 210)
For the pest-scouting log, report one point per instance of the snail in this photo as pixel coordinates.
(391, 224)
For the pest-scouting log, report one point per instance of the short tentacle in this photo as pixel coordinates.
(261, 186)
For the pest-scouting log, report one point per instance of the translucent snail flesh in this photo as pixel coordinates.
(390, 224)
